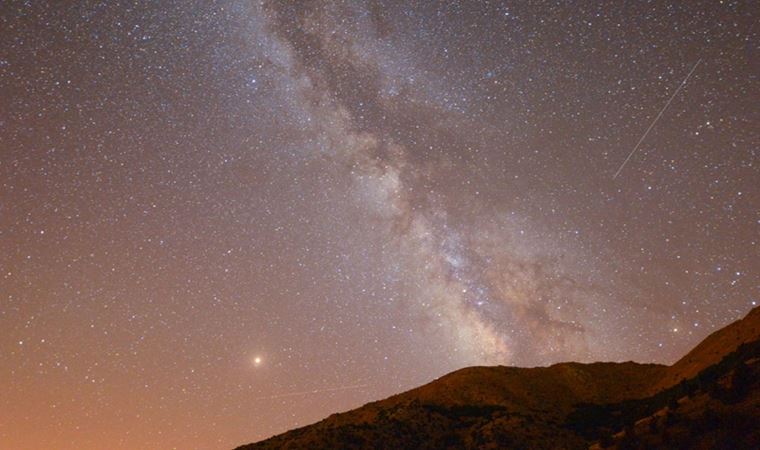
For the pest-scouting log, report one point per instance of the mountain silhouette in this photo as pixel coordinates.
(709, 399)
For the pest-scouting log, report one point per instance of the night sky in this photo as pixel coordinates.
(223, 219)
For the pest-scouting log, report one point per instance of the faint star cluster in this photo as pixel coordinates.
(220, 220)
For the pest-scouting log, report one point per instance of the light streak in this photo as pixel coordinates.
(643, 136)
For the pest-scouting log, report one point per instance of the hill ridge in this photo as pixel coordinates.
(494, 406)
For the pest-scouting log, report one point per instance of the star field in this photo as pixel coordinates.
(221, 220)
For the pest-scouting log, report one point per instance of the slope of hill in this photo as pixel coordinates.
(711, 350)
(568, 405)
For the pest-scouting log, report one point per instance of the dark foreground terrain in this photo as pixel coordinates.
(710, 399)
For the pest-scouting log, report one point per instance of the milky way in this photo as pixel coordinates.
(221, 220)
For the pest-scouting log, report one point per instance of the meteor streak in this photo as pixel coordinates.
(643, 136)
(315, 391)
